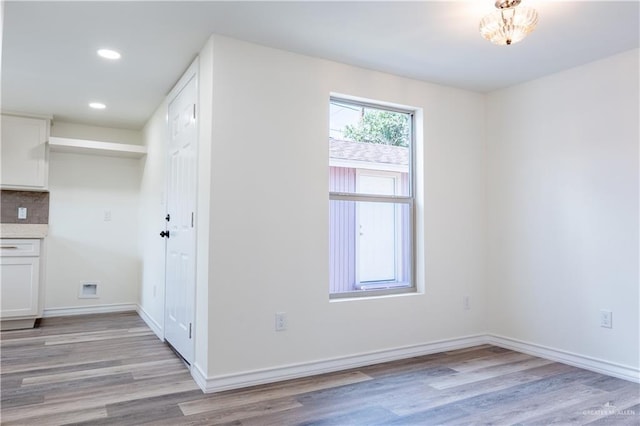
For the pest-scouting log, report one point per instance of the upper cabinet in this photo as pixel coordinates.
(24, 153)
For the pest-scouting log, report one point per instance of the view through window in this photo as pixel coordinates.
(371, 199)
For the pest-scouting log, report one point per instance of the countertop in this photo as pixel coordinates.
(26, 230)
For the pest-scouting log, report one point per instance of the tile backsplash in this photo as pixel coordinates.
(36, 203)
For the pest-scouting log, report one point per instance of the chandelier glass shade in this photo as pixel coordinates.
(509, 24)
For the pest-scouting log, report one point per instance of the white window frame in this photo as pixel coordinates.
(409, 199)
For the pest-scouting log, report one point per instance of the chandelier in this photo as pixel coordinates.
(509, 24)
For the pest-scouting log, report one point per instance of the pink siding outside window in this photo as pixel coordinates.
(342, 239)
(343, 234)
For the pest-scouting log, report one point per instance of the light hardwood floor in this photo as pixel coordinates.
(111, 369)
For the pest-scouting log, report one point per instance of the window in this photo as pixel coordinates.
(371, 199)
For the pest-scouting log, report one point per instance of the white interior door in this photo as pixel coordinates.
(376, 229)
(181, 207)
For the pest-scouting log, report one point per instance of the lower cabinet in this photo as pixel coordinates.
(19, 282)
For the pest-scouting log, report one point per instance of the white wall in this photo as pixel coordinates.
(563, 210)
(269, 214)
(544, 175)
(151, 220)
(81, 245)
(204, 297)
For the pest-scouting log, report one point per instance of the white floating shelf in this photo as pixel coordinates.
(81, 146)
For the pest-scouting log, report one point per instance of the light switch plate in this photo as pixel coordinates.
(22, 213)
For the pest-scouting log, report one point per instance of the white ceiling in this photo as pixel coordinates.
(49, 65)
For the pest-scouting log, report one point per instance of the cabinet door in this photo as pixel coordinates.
(24, 152)
(19, 286)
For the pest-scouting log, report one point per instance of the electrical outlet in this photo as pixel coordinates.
(281, 321)
(22, 213)
(606, 318)
(107, 215)
(466, 302)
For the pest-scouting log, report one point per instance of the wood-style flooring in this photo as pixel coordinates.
(111, 369)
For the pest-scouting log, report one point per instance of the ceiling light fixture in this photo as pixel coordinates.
(97, 105)
(109, 54)
(509, 24)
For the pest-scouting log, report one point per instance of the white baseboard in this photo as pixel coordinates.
(152, 323)
(588, 363)
(199, 377)
(276, 374)
(269, 375)
(85, 310)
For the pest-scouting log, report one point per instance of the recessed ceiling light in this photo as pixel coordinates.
(109, 54)
(97, 105)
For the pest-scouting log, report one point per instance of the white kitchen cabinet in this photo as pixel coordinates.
(24, 153)
(19, 282)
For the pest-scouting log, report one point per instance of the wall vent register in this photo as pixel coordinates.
(88, 290)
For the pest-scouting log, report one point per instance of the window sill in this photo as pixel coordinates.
(374, 294)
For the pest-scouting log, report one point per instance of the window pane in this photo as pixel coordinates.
(370, 245)
(369, 140)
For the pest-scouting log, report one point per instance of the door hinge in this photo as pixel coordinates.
(194, 111)
(189, 330)
(192, 219)
(168, 217)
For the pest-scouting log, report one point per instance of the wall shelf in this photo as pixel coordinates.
(81, 146)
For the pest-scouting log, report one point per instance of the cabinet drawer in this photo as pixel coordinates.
(19, 247)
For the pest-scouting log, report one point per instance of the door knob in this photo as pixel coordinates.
(164, 234)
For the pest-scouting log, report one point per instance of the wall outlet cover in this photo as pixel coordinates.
(281, 321)
(606, 318)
